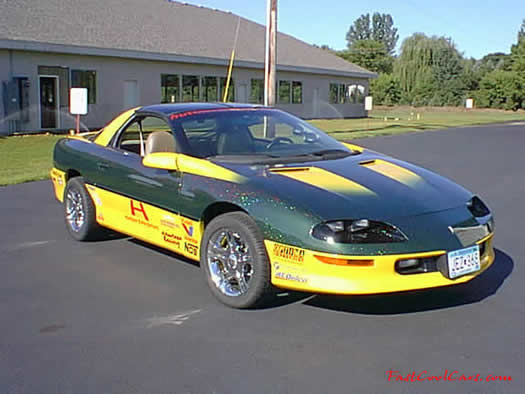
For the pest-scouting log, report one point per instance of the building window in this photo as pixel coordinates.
(231, 90)
(297, 92)
(342, 93)
(290, 92)
(209, 89)
(190, 88)
(356, 94)
(85, 79)
(257, 91)
(170, 88)
(334, 88)
(284, 92)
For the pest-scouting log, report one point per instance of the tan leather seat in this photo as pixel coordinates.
(160, 141)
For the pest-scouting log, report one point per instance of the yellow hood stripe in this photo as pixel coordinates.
(393, 171)
(323, 179)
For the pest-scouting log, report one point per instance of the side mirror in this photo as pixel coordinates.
(161, 160)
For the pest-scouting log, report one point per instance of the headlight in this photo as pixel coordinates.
(477, 207)
(360, 231)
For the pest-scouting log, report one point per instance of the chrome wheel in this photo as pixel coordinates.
(230, 262)
(75, 215)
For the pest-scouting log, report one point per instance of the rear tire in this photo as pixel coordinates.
(80, 213)
(234, 261)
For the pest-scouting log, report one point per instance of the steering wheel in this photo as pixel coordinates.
(279, 140)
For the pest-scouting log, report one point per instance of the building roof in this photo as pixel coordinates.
(157, 30)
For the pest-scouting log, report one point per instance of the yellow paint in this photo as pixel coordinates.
(311, 274)
(80, 137)
(353, 147)
(193, 165)
(228, 79)
(323, 179)
(162, 160)
(146, 222)
(109, 131)
(59, 183)
(394, 172)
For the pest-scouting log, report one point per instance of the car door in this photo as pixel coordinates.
(140, 201)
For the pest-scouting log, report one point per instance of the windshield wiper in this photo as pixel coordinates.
(334, 152)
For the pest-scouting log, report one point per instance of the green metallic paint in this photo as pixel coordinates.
(286, 209)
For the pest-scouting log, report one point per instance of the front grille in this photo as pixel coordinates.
(470, 235)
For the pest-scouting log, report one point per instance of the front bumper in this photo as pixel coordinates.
(300, 269)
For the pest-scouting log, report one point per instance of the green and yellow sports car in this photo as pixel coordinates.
(263, 199)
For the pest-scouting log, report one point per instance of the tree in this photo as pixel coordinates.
(381, 30)
(521, 32)
(517, 56)
(501, 89)
(385, 89)
(360, 30)
(325, 47)
(369, 54)
(430, 71)
(493, 61)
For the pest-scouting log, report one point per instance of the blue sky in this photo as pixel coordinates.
(476, 27)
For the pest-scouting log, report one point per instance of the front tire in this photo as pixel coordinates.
(234, 261)
(80, 213)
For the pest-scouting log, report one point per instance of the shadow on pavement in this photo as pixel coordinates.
(165, 252)
(476, 290)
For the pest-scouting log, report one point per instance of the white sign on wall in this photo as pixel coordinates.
(368, 103)
(469, 103)
(78, 102)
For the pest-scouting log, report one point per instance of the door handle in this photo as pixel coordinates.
(103, 166)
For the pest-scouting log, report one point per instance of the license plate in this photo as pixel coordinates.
(463, 261)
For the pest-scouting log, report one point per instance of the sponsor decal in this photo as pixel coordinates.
(168, 221)
(138, 207)
(289, 253)
(188, 227)
(93, 193)
(189, 230)
(290, 277)
(139, 215)
(57, 177)
(171, 238)
(191, 249)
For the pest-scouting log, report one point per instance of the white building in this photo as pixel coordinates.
(139, 52)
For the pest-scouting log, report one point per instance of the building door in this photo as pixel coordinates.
(131, 94)
(49, 102)
(243, 93)
(315, 101)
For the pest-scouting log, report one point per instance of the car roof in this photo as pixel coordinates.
(169, 109)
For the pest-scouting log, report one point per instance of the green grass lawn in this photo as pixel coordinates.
(396, 120)
(26, 158)
(29, 158)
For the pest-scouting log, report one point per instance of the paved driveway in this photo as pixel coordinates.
(122, 317)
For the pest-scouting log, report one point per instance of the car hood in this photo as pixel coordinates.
(367, 185)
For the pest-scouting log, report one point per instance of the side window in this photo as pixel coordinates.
(130, 138)
(134, 137)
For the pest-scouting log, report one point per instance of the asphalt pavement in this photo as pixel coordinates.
(119, 316)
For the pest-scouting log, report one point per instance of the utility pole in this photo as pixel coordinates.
(270, 57)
